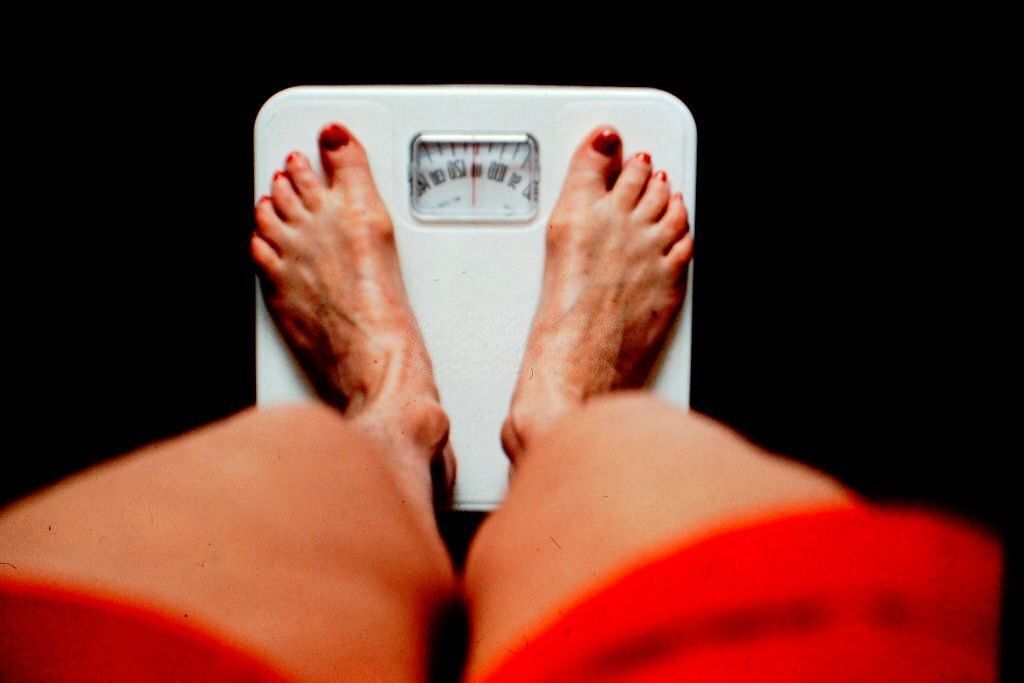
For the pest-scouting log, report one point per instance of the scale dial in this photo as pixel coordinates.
(458, 177)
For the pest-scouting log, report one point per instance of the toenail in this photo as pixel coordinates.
(644, 157)
(606, 142)
(333, 136)
(279, 174)
(661, 175)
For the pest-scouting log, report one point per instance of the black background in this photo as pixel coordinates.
(833, 321)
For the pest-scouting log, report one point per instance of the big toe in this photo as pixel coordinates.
(596, 163)
(345, 162)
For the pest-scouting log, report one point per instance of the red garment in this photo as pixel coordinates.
(846, 595)
(52, 634)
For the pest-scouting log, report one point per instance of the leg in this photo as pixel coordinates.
(609, 483)
(284, 530)
(601, 480)
(330, 273)
(303, 535)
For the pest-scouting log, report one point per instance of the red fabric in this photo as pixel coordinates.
(51, 634)
(846, 595)
(851, 595)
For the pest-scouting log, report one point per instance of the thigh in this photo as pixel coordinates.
(613, 481)
(282, 529)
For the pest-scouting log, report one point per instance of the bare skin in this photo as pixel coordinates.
(605, 477)
(617, 249)
(308, 539)
(281, 530)
(326, 254)
(305, 535)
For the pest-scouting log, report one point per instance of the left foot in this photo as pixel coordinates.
(326, 254)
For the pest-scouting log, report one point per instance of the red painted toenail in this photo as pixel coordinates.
(607, 142)
(333, 136)
(644, 157)
(294, 156)
(661, 175)
(280, 174)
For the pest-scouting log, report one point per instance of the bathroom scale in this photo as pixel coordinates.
(470, 175)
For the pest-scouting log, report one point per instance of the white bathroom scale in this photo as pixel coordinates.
(470, 175)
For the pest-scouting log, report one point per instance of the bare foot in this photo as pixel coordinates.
(326, 255)
(617, 249)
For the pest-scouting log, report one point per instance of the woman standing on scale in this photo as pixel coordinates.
(637, 542)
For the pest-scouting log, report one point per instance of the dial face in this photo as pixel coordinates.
(474, 177)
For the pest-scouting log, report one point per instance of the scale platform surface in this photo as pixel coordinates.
(470, 175)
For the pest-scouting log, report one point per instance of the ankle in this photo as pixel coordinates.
(416, 428)
(429, 426)
(529, 418)
(512, 440)
(412, 436)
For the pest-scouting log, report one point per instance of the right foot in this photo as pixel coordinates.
(617, 250)
(326, 255)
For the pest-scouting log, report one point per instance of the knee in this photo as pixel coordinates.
(639, 426)
(610, 419)
(312, 416)
(634, 427)
(284, 469)
(628, 404)
(634, 407)
(495, 555)
(303, 429)
(294, 456)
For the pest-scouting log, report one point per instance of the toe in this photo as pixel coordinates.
(307, 183)
(633, 179)
(680, 254)
(345, 163)
(286, 199)
(674, 225)
(655, 198)
(265, 257)
(596, 163)
(269, 225)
